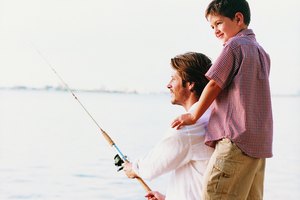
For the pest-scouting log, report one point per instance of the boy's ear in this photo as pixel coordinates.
(239, 17)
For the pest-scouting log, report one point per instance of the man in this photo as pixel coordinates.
(181, 152)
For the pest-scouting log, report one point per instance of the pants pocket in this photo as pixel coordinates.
(222, 176)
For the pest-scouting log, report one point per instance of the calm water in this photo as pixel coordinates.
(51, 150)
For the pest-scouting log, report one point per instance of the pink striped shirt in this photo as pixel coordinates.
(242, 111)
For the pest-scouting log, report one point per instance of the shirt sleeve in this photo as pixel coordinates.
(169, 154)
(225, 67)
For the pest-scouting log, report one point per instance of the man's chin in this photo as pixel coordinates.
(173, 101)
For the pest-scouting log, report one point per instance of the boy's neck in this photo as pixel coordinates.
(245, 27)
(242, 29)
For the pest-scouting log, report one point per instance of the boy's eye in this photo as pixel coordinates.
(215, 25)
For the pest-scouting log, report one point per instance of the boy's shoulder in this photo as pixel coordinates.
(244, 37)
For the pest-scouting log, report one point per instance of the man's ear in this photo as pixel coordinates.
(239, 17)
(191, 86)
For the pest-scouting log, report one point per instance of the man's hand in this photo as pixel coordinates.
(128, 170)
(185, 119)
(153, 195)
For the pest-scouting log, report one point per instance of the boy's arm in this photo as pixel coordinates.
(209, 94)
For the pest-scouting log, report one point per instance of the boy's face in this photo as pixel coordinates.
(225, 28)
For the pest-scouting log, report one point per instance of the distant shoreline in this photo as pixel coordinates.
(62, 89)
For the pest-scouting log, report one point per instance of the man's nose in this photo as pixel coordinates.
(169, 86)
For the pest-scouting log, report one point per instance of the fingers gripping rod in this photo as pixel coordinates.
(105, 135)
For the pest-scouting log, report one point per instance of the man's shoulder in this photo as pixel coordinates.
(196, 129)
(199, 128)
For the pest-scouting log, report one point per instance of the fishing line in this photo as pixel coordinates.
(118, 160)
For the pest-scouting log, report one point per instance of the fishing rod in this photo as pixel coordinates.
(120, 158)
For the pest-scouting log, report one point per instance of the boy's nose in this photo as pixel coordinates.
(217, 31)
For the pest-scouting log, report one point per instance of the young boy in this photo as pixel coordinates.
(241, 126)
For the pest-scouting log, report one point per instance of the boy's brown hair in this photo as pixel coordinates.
(229, 8)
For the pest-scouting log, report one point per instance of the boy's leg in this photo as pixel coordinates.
(256, 190)
(230, 173)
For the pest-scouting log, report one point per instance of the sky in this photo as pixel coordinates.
(127, 45)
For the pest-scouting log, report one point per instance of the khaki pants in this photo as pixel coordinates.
(232, 175)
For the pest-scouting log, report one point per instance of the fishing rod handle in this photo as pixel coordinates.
(108, 139)
(139, 179)
(142, 182)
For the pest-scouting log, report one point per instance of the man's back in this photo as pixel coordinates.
(186, 160)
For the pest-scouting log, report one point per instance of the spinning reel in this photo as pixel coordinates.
(118, 162)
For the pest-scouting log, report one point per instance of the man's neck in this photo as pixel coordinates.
(189, 102)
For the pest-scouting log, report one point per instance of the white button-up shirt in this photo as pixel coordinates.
(183, 153)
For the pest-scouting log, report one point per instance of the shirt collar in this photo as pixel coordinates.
(245, 32)
(193, 107)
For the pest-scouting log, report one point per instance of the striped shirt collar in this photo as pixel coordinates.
(243, 32)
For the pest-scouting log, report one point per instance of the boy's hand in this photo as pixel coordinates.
(185, 119)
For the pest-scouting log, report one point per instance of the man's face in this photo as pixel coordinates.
(179, 94)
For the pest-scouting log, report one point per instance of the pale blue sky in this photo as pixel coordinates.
(120, 44)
